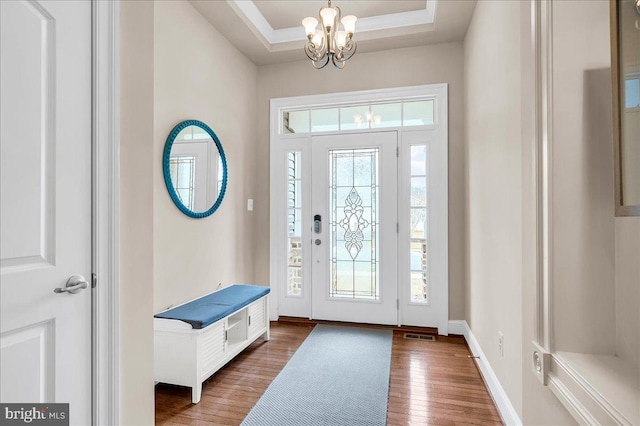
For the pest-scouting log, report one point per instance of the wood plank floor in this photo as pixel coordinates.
(431, 383)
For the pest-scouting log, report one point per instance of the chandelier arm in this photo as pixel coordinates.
(350, 49)
(319, 67)
(313, 52)
(338, 63)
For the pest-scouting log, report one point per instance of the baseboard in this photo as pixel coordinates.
(507, 412)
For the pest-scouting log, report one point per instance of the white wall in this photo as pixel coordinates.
(200, 75)
(136, 213)
(494, 188)
(440, 63)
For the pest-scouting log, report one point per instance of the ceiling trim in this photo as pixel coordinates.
(250, 12)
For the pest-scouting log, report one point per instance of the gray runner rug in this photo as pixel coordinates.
(339, 376)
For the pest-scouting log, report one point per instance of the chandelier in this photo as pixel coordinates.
(330, 43)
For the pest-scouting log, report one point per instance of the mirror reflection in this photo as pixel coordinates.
(195, 169)
(626, 75)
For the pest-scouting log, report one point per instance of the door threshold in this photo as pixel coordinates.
(402, 328)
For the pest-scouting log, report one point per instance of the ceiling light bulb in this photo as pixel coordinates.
(349, 23)
(328, 15)
(341, 39)
(309, 23)
(317, 37)
(368, 115)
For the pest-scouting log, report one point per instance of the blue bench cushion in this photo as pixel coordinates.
(214, 306)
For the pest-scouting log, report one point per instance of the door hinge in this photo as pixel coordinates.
(397, 151)
(398, 304)
(94, 280)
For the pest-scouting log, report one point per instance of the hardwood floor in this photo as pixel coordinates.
(431, 383)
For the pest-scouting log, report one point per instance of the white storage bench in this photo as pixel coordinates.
(197, 338)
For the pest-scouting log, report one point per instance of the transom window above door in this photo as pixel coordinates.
(359, 117)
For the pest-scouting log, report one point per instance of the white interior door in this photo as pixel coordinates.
(45, 337)
(354, 244)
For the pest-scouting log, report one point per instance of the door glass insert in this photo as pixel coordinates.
(418, 222)
(354, 224)
(294, 223)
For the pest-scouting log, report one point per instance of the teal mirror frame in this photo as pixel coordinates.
(166, 160)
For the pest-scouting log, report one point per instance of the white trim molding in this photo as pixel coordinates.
(578, 395)
(106, 211)
(504, 405)
(255, 19)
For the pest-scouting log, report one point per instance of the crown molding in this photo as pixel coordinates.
(250, 13)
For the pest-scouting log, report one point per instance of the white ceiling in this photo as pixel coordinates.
(269, 31)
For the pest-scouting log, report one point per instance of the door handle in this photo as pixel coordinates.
(74, 284)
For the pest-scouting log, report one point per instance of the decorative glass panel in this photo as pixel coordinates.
(296, 122)
(386, 115)
(353, 229)
(418, 113)
(294, 224)
(352, 118)
(418, 223)
(182, 170)
(324, 120)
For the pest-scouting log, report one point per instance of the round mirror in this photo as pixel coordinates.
(195, 168)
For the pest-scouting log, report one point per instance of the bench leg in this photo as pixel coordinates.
(196, 393)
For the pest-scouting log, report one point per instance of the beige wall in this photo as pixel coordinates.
(627, 279)
(582, 186)
(136, 213)
(494, 188)
(200, 75)
(441, 63)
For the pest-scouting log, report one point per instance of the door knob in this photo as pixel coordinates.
(74, 284)
(318, 242)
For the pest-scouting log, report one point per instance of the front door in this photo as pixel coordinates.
(45, 336)
(354, 237)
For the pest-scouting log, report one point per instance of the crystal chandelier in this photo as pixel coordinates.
(330, 43)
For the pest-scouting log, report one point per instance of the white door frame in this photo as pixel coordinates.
(278, 270)
(106, 211)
